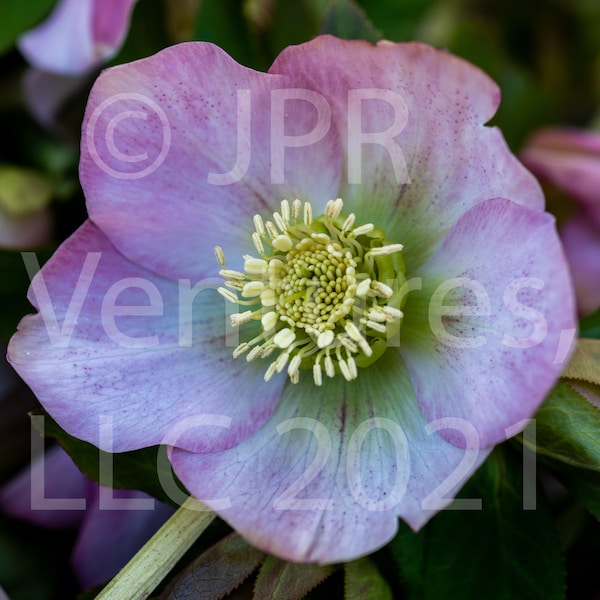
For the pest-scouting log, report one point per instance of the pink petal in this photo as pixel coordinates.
(570, 159)
(60, 479)
(77, 36)
(581, 240)
(452, 160)
(124, 382)
(110, 537)
(173, 119)
(496, 368)
(329, 486)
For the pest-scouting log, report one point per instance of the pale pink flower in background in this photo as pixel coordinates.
(77, 36)
(109, 533)
(570, 160)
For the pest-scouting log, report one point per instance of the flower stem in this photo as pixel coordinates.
(138, 578)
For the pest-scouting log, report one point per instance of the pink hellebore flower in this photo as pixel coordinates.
(570, 159)
(77, 36)
(111, 529)
(385, 340)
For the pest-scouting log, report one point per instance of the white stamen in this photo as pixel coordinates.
(296, 209)
(258, 243)
(271, 371)
(259, 225)
(392, 313)
(386, 250)
(284, 338)
(253, 289)
(376, 314)
(238, 319)
(363, 288)
(294, 365)
(283, 243)
(355, 334)
(307, 213)
(285, 210)
(348, 222)
(230, 274)
(317, 376)
(344, 369)
(376, 326)
(241, 349)
(220, 255)
(268, 297)
(325, 338)
(321, 237)
(367, 228)
(329, 368)
(269, 320)
(254, 353)
(352, 367)
(334, 208)
(279, 222)
(281, 361)
(381, 289)
(228, 295)
(271, 229)
(256, 267)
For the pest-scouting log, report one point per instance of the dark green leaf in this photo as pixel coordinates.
(363, 580)
(501, 552)
(345, 19)
(147, 32)
(13, 290)
(398, 20)
(584, 485)
(589, 327)
(222, 22)
(216, 572)
(567, 429)
(280, 580)
(18, 17)
(147, 470)
(293, 23)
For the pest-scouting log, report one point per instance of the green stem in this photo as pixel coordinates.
(158, 556)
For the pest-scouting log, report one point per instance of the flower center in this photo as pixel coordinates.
(326, 293)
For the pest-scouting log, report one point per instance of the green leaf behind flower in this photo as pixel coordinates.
(280, 580)
(216, 572)
(345, 19)
(147, 470)
(567, 429)
(589, 327)
(585, 363)
(18, 17)
(501, 552)
(363, 580)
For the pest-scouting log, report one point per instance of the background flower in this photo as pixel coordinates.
(110, 531)
(78, 36)
(570, 160)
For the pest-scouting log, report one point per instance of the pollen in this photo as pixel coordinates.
(325, 293)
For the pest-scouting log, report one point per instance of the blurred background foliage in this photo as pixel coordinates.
(545, 56)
